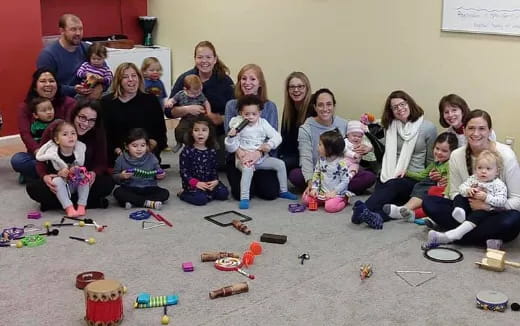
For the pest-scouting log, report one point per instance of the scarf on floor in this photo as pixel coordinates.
(408, 132)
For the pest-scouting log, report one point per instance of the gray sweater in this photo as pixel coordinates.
(147, 162)
(309, 138)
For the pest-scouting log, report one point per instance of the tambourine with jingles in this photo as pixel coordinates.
(104, 303)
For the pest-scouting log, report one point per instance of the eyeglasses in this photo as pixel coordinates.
(401, 105)
(296, 87)
(83, 118)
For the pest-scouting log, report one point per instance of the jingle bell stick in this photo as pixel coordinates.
(241, 227)
(212, 256)
(229, 290)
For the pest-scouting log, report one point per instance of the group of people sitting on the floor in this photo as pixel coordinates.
(79, 148)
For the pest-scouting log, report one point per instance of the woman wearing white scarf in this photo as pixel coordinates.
(409, 141)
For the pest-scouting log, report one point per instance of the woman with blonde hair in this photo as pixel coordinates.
(251, 81)
(128, 107)
(297, 108)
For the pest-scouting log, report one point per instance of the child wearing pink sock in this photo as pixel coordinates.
(331, 174)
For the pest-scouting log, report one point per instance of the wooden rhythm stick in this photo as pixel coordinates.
(213, 256)
(241, 227)
(229, 290)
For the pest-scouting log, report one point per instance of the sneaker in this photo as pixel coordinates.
(243, 204)
(177, 147)
(128, 205)
(288, 195)
(357, 211)
(374, 220)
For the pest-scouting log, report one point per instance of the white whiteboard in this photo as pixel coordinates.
(481, 16)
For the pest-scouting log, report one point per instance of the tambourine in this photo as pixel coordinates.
(104, 303)
(140, 215)
(492, 300)
(228, 264)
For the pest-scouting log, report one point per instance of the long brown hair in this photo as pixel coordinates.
(220, 68)
(292, 115)
(472, 115)
(262, 89)
(388, 115)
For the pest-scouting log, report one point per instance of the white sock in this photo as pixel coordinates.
(460, 231)
(407, 213)
(128, 205)
(459, 214)
(438, 237)
(152, 204)
(392, 211)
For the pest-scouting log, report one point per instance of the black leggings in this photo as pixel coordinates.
(137, 196)
(102, 187)
(264, 185)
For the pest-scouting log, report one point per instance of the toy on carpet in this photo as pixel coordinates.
(365, 271)
(145, 174)
(160, 218)
(212, 256)
(401, 275)
(241, 227)
(89, 240)
(296, 208)
(145, 300)
(7, 243)
(313, 204)
(515, 306)
(165, 320)
(104, 302)
(13, 233)
(248, 257)
(304, 257)
(34, 215)
(491, 300)
(187, 266)
(147, 225)
(229, 290)
(80, 224)
(495, 260)
(84, 279)
(139, 215)
(273, 238)
(229, 264)
(226, 218)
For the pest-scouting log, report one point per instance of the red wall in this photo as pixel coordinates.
(21, 43)
(100, 17)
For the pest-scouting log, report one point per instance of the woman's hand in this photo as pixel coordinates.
(195, 109)
(216, 118)
(64, 173)
(92, 178)
(477, 204)
(169, 103)
(400, 174)
(362, 149)
(48, 182)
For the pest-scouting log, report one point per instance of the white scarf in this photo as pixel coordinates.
(408, 132)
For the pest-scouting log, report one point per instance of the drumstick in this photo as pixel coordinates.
(89, 240)
(246, 274)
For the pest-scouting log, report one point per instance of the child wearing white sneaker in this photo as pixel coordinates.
(483, 185)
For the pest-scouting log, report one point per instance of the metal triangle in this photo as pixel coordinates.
(402, 273)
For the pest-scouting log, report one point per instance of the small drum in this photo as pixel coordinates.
(492, 300)
(104, 303)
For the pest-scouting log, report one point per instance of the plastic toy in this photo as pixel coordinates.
(491, 300)
(273, 238)
(187, 266)
(515, 306)
(139, 215)
(296, 208)
(165, 320)
(241, 227)
(226, 218)
(313, 204)
(304, 257)
(104, 302)
(160, 218)
(147, 225)
(495, 260)
(229, 290)
(79, 176)
(33, 240)
(89, 240)
(34, 215)
(80, 224)
(146, 174)
(365, 271)
(145, 300)
(212, 256)
(7, 243)
(228, 264)
(13, 233)
(84, 279)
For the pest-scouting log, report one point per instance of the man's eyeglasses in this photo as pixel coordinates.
(401, 105)
(296, 87)
(84, 119)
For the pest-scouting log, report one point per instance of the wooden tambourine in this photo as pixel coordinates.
(492, 300)
(228, 264)
(104, 303)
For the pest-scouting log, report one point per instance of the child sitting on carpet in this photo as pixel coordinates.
(257, 135)
(198, 165)
(483, 185)
(331, 174)
(64, 156)
(137, 171)
(444, 144)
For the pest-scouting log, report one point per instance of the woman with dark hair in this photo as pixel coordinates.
(44, 84)
(409, 140)
(86, 119)
(128, 107)
(498, 226)
(309, 133)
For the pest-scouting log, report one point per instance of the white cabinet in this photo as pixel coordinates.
(138, 54)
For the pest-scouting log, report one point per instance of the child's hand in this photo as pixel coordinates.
(443, 182)
(212, 184)
(160, 176)
(435, 175)
(202, 186)
(169, 103)
(313, 193)
(232, 132)
(63, 173)
(330, 194)
(118, 151)
(480, 195)
(264, 148)
(92, 177)
(472, 192)
(125, 175)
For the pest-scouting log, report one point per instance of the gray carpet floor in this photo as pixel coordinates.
(37, 285)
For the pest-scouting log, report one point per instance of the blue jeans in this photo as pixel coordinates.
(504, 225)
(199, 197)
(24, 163)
